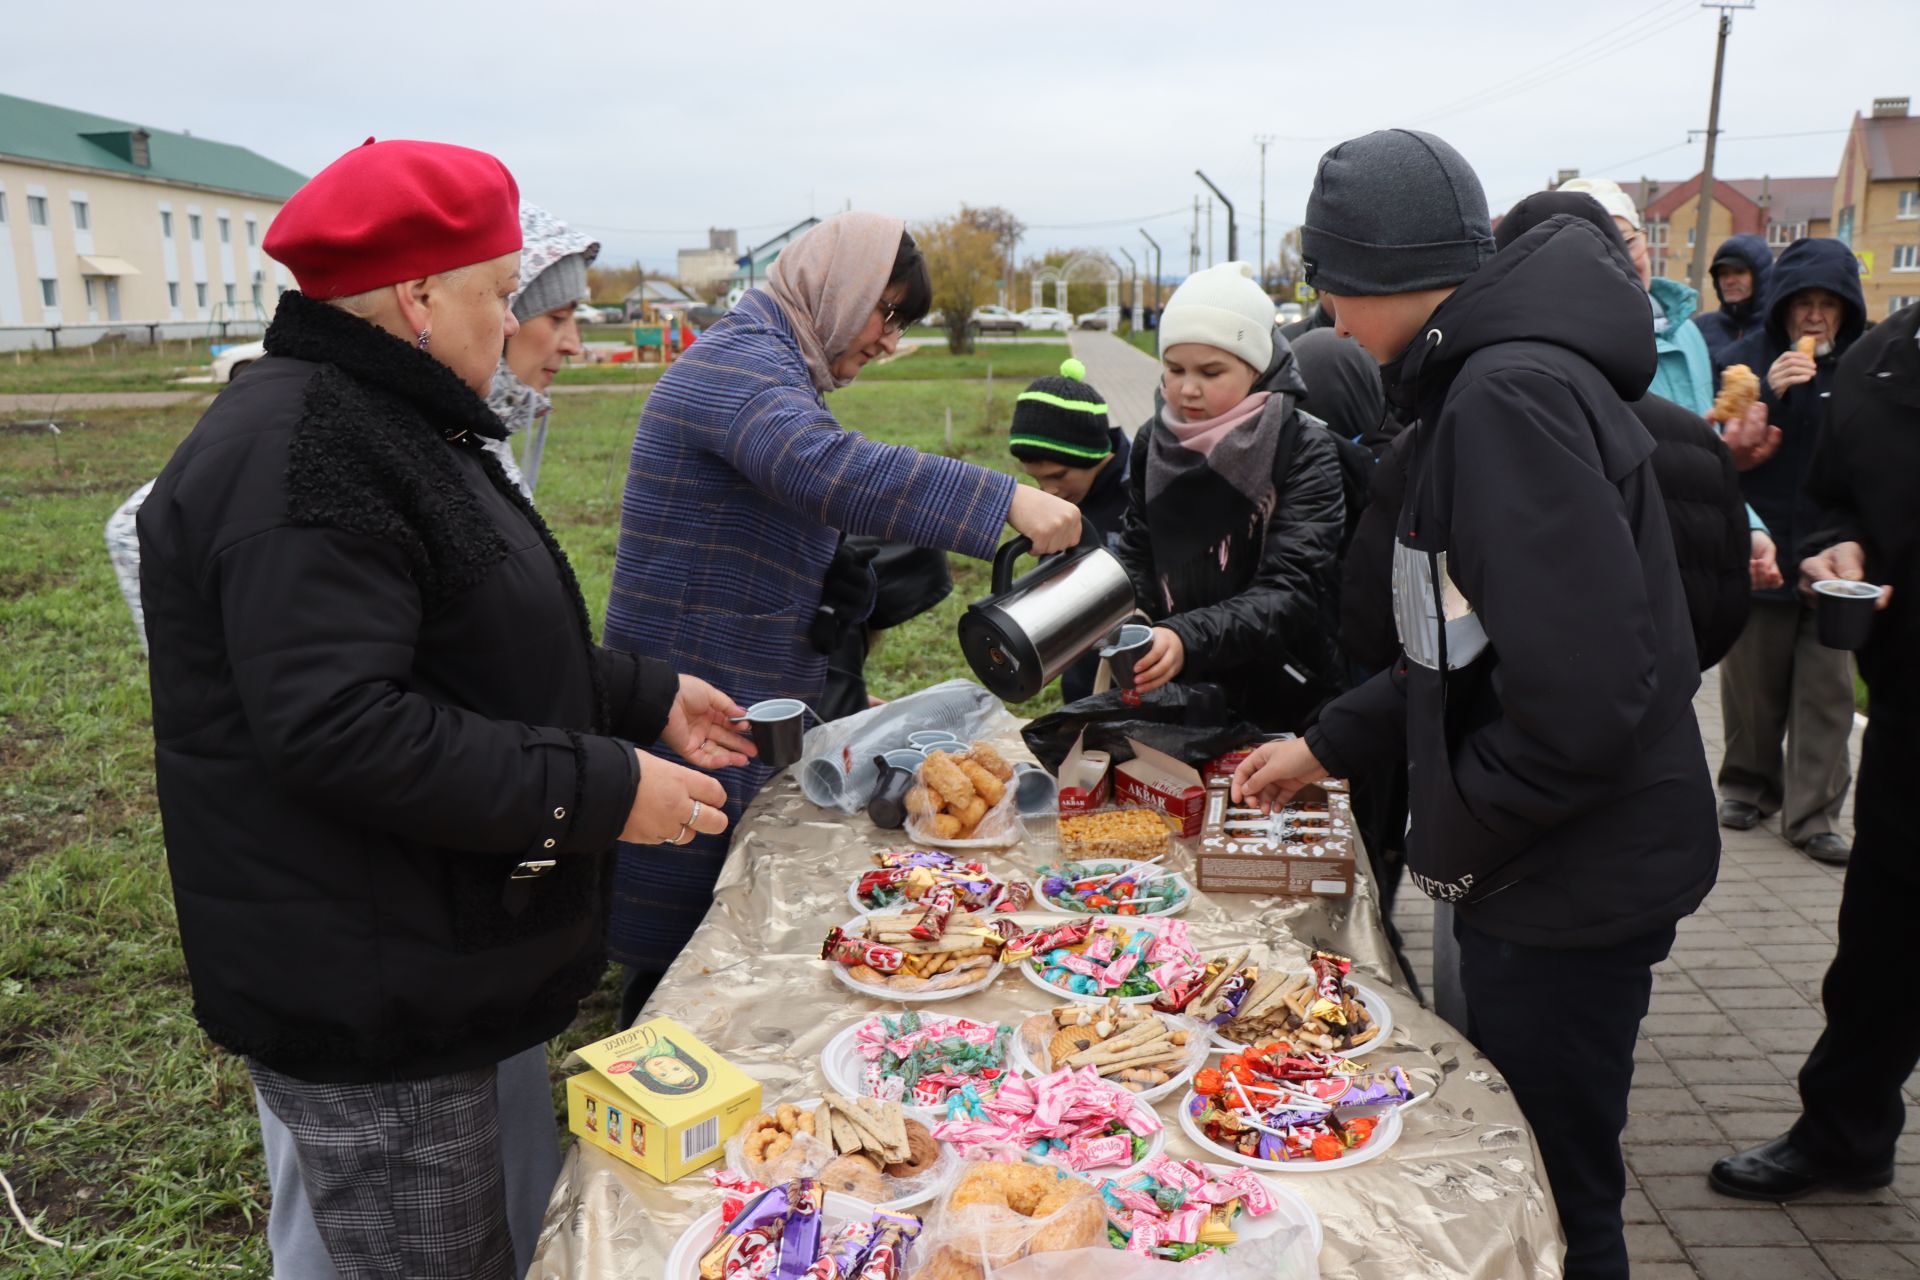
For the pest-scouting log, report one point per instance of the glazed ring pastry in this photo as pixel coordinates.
(855, 1176)
(923, 1152)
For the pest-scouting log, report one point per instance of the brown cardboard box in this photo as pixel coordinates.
(1155, 780)
(657, 1098)
(1324, 866)
(1085, 779)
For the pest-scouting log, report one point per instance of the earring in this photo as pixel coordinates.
(425, 335)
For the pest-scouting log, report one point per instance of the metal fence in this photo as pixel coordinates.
(62, 337)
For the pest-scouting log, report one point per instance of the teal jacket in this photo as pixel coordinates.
(1684, 372)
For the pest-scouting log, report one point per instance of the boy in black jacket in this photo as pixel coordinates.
(1543, 698)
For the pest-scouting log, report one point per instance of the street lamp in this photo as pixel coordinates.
(1233, 235)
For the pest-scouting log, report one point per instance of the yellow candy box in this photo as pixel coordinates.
(659, 1099)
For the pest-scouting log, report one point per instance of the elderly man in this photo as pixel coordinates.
(391, 760)
(1740, 269)
(1778, 681)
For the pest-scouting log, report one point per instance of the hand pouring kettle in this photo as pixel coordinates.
(1031, 629)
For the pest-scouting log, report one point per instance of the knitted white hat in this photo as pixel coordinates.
(1609, 193)
(1221, 307)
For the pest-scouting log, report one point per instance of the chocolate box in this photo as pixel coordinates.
(1155, 780)
(1322, 865)
(659, 1099)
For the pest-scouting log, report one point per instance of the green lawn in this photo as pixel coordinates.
(105, 367)
(121, 1130)
(1148, 340)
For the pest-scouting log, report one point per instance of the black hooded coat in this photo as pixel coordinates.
(1735, 320)
(1559, 787)
(1777, 487)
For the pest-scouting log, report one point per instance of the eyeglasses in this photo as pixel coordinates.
(891, 324)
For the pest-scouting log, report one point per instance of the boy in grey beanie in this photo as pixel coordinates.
(1558, 787)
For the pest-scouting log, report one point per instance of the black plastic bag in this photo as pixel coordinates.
(1190, 722)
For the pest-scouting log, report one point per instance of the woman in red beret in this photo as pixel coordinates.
(392, 761)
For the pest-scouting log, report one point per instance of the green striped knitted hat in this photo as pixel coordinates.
(1061, 420)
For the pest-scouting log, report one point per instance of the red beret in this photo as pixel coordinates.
(391, 211)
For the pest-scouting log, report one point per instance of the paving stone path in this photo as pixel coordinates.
(1125, 375)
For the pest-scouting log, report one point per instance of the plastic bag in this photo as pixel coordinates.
(1035, 1033)
(1000, 827)
(809, 1156)
(976, 1232)
(837, 769)
(1190, 722)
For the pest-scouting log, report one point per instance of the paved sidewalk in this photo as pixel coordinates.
(1735, 1010)
(1121, 372)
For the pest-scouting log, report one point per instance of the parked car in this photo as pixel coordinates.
(1288, 313)
(993, 318)
(234, 359)
(933, 320)
(1046, 320)
(1104, 318)
(587, 313)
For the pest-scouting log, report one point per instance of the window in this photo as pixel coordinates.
(1780, 234)
(258, 304)
(1906, 257)
(80, 215)
(37, 210)
(253, 233)
(1657, 233)
(1909, 205)
(1689, 237)
(229, 295)
(87, 283)
(193, 226)
(225, 232)
(3, 206)
(200, 296)
(1900, 302)
(173, 294)
(166, 225)
(50, 292)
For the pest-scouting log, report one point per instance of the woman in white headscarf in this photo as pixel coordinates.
(553, 279)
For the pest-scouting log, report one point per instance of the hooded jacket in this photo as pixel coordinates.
(389, 755)
(1776, 488)
(1683, 372)
(1735, 320)
(1251, 588)
(1558, 785)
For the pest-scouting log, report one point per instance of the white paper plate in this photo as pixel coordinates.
(1385, 1134)
(684, 1262)
(1025, 1064)
(1047, 904)
(845, 977)
(853, 900)
(1376, 1006)
(946, 1169)
(845, 1069)
(1289, 1210)
(1132, 922)
(1156, 1143)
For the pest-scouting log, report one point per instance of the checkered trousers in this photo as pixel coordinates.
(405, 1177)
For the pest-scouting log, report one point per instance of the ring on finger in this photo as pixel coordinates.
(694, 816)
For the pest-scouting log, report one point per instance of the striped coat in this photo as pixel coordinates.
(740, 485)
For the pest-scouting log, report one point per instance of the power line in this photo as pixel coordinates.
(1108, 222)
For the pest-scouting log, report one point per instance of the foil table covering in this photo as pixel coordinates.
(1462, 1193)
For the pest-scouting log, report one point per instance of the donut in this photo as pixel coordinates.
(855, 1176)
(923, 1152)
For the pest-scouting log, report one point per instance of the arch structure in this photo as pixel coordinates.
(1081, 267)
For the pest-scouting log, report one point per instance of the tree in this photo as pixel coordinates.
(1006, 231)
(1287, 270)
(964, 262)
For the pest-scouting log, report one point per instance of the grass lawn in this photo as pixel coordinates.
(123, 1132)
(1148, 340)
(105, 367)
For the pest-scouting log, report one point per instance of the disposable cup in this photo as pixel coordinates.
(1844, 612)
(779, 727)
(1126, 651)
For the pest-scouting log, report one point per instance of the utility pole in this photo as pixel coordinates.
(1209, 230)
(1263, 140)
(1193, 242)
(1703, 205)
(1156, 266)
(1233, 240)
(1135, 267)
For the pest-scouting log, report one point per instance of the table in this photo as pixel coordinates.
(1461, 1194)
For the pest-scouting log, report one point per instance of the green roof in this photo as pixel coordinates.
(33, 131)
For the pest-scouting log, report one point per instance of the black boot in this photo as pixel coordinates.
(1781, 1171)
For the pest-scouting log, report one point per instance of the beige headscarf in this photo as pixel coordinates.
(828, 283)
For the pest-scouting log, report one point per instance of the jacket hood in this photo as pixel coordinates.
(1564, 283)
(1816, 263)
(1343, 384)
(1677, 300)
(1282, 376)
(1752, 253)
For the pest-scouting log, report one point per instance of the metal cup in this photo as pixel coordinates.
(1843, 612)
(1129, 645)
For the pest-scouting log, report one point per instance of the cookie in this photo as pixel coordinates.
(923, 1152)
(854, 1176)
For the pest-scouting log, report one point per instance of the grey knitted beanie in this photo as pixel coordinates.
(1394, 212)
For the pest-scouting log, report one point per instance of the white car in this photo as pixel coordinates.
(234, 359)
(1104, 318)
(994, 318)
(586, 313)
(1289, 313)
(1046, 320)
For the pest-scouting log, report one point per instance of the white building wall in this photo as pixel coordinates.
(10, 301)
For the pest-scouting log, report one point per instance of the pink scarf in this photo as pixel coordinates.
(1202, 436)
(829, 281)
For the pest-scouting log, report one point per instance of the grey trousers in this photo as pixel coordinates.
(530, 1156)
(1778, 681)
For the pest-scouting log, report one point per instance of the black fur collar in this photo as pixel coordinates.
(307, 330)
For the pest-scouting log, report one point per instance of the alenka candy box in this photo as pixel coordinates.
(659, 1099)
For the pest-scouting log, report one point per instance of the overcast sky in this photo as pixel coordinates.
(647, 123)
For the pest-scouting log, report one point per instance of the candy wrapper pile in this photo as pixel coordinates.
(932, 947)
(1276, 1104)
(903, 877)
(1318, 1010)
(1180, 1209)
(779, 1233)
(1069, 1118)
(1112, 888)
(919, 1061)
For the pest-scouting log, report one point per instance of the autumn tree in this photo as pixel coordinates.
(963, 260)
(609, 286)
(1006, 231)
